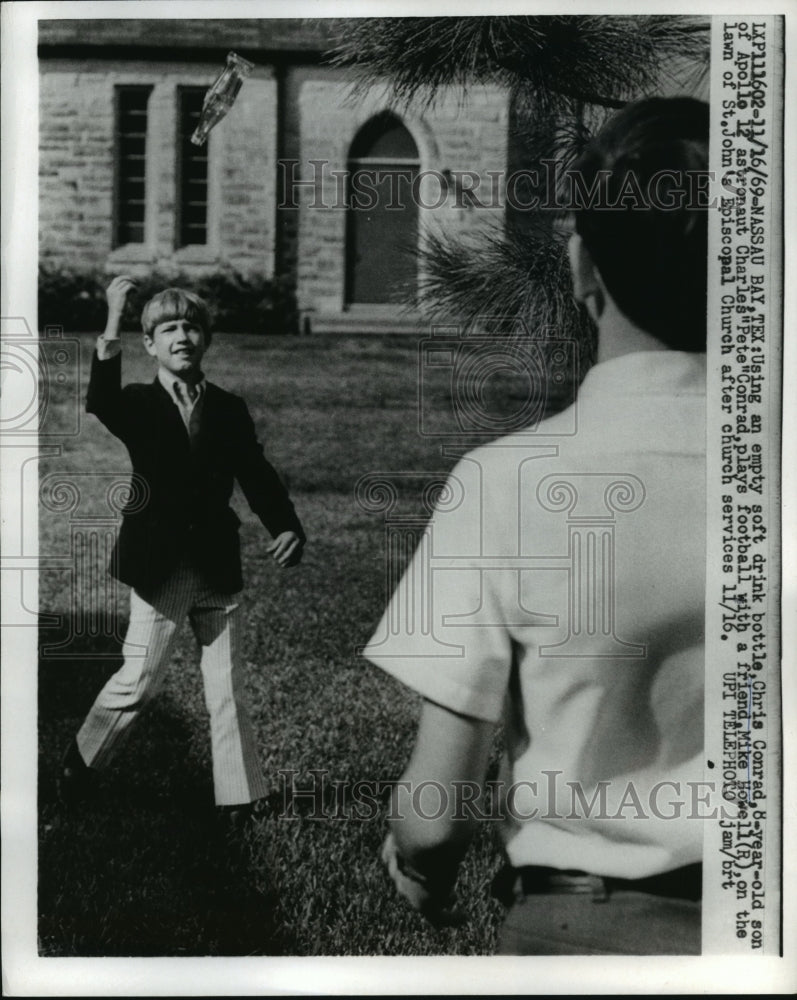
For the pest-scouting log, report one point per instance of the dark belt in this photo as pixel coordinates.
(511, 883)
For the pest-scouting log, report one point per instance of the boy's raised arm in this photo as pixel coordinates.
(108, 343)
(104, 393)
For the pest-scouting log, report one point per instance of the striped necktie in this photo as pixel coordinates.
(186, 396)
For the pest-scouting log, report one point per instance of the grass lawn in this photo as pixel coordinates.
(138, 872)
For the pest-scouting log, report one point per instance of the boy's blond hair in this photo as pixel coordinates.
(175, 303)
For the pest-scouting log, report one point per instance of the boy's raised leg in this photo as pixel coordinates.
(147, 651)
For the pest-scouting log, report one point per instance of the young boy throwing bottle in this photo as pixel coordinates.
(179, 551)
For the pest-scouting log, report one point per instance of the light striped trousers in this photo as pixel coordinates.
(153, 630)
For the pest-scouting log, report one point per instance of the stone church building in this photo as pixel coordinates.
(300, 181)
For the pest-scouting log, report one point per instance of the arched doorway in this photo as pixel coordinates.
(382, 219)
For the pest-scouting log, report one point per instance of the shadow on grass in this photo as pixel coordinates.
(140, 867)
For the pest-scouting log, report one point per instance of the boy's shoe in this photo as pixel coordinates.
(232, 825)
(76, 780)
(233, 820)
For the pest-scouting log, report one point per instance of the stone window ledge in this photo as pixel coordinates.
(196, 255)
(137, 254)
(132, 253)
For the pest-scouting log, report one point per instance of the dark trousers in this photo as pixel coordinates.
(573, 913)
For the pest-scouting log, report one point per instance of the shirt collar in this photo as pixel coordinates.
(648, 373)
(168, 382)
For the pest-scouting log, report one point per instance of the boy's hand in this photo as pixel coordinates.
(436, 903)
(116, 294)
(286, 549)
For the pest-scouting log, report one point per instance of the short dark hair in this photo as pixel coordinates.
(652, 257)
(175, 303)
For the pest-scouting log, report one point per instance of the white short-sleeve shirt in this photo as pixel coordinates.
(559, 586)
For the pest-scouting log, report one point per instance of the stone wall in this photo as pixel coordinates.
(247, 228)
(453, 135)
(76, 169)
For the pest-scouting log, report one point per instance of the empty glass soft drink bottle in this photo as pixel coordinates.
(221, 96)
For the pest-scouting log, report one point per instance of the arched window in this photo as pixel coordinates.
(382, 223)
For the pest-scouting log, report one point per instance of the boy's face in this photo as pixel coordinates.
(178, 345)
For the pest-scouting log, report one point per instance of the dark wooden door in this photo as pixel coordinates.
(382, 223)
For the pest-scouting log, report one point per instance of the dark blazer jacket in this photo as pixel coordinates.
(187, 510)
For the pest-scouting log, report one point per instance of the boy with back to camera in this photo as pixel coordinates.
(179, 550)
(602, 701)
